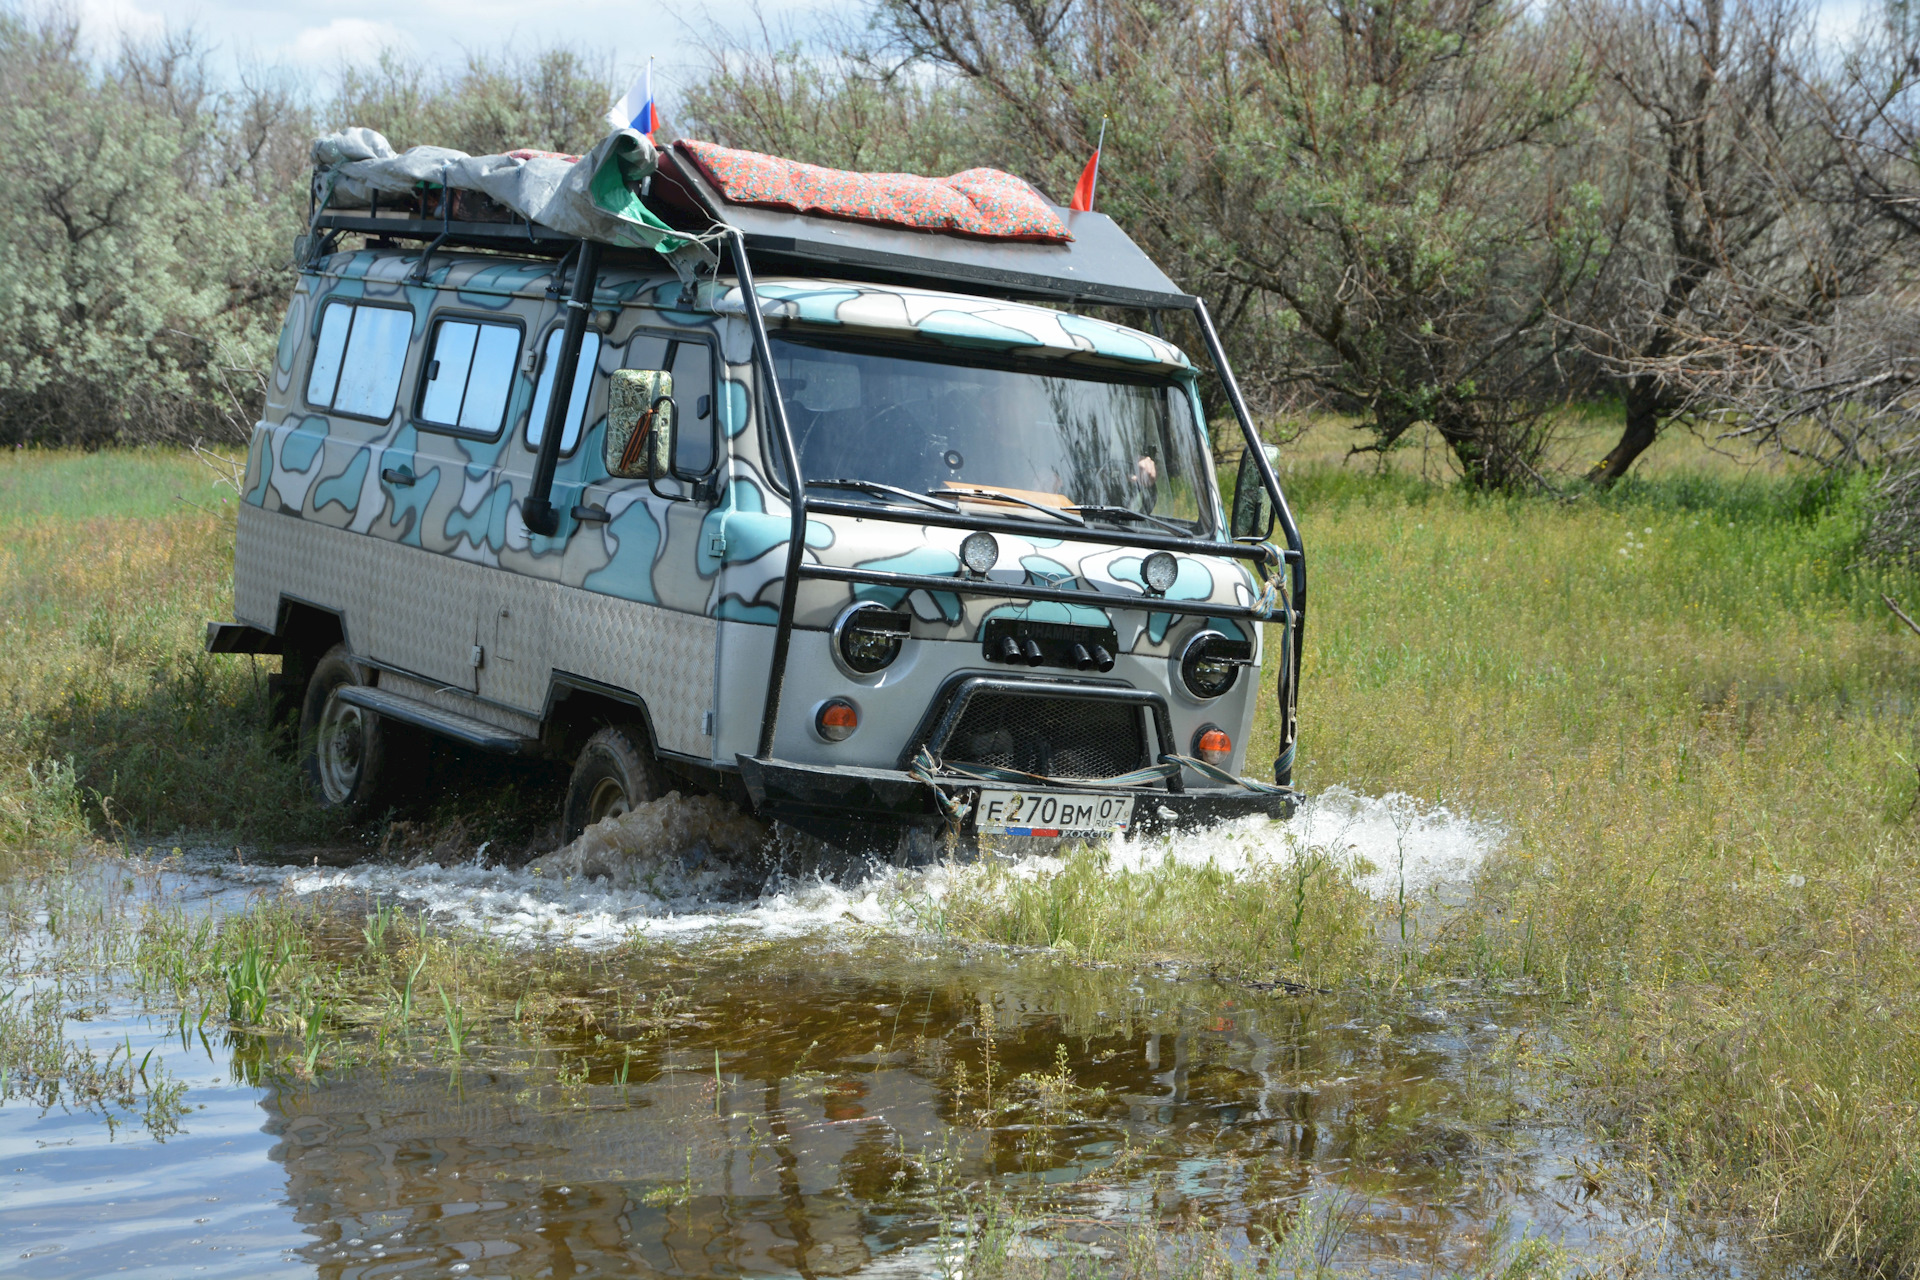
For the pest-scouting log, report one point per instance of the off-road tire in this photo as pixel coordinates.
(343, 748)
(614, 772)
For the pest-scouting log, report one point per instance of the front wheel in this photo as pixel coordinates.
(342, 747)
(614, 774)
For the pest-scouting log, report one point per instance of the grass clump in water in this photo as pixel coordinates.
(1303, 918)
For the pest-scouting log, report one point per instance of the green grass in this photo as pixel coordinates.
(112, 719)
(1684, 700)
(1689, 706)
(54, 486)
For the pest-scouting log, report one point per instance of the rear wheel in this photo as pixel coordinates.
(614, 774)
(343, 748)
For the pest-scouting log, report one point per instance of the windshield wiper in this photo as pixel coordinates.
(998, 495)
(877, 489)
(1128, 513)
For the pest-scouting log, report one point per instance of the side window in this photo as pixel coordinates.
(690, 361)
(691, 364)
(469, 375)
(358, 360)
(576, 403)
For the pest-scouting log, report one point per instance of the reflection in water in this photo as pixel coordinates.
(818, 1112)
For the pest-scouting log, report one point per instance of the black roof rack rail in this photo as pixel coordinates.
(522, 237)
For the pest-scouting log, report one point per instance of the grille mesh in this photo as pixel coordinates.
(1059, 737)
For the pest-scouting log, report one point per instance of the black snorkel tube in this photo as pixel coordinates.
(537, 511)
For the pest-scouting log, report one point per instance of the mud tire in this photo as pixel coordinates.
(343, 749)
(614, 772)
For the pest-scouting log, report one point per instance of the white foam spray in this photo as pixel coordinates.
(683, 866)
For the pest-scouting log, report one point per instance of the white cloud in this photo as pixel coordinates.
(107, 22)
(345, 40)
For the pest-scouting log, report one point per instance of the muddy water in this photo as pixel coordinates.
(783, 1088)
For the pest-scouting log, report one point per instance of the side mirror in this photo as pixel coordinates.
(640, 421)
(1252, 505)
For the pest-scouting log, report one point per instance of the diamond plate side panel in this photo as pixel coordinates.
(276, 556)
(513, 628)
(664, 656)
(425, 614)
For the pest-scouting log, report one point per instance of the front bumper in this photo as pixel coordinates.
(834, 801)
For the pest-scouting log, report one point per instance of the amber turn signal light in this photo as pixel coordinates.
(1213, 746)
(836, 720)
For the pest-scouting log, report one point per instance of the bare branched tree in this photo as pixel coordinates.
(1377, 200)
(1713, 158)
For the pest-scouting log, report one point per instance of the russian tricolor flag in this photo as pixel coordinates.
(635, 109)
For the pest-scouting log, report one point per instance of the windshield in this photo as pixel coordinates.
(1052, 436)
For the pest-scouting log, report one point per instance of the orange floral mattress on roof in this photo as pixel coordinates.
(979, 202)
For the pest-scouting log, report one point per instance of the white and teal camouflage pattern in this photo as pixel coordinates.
(715, 551)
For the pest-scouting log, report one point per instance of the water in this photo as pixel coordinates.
(793, 1081)
(590, 896)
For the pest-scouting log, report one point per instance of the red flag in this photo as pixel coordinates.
(1082, 201)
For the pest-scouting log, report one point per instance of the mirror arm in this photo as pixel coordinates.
(537, 511)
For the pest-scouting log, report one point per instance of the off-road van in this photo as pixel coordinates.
(855, 513)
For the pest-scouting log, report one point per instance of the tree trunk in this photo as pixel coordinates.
(1466, 440)
(1643, 427)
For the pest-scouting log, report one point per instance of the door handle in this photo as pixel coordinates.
(591, 515)
(398, 479)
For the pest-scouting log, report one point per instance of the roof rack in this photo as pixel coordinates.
(1101, 265)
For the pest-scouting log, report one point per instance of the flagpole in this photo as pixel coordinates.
(1099, 154)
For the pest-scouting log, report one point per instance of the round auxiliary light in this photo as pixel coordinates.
(1207, 665)
(836, 720)
(1158, 571)
(1213, 745)
(868, 636)
(979, 552)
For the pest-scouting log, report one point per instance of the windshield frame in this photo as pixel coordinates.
(1207, 528)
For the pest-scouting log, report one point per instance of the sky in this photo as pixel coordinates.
(316, 40)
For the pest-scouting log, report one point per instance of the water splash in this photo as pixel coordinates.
(681, 866)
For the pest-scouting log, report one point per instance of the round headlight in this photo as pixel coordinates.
(836, 720)
(1210, 664)
(979, 552)
(867, 637)
(1159, 571)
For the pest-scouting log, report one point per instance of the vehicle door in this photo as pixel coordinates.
(626, 526)
(441, 504)
(650, 541)
(515, 615)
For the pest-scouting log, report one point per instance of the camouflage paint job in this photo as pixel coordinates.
(664, 548)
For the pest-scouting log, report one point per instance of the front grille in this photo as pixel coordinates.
(1058, 737)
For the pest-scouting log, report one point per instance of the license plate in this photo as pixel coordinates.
(1051, 813)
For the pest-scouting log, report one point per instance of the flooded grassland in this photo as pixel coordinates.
(449, 1070)
(1593, 952)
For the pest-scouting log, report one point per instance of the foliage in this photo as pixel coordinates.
(114, 322)
(552, 99)
(117, 324)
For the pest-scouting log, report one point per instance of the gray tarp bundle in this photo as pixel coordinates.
(593, 198)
